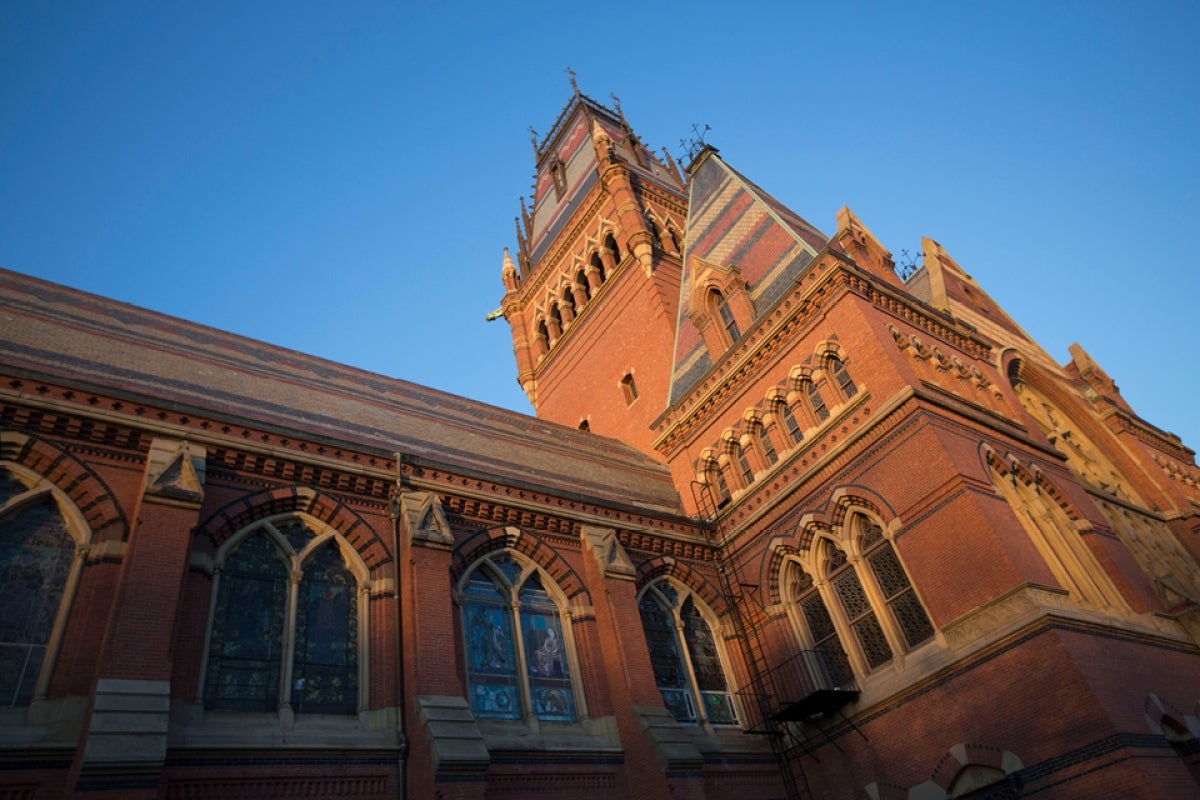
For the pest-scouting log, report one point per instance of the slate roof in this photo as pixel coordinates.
(70, 336)
(731, 221)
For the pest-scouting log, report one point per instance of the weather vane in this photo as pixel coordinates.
(574, 85)
(908, 264)
(693, 146)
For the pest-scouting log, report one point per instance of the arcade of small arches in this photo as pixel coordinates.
(564, 302)
(789, 413)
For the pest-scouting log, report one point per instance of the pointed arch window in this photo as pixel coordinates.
(867, 603)
(848, 589)
(285, 624)
(36, 556)
(898, 593)
(518, 658)
(610, 243)
(683, 653)
(831, 667)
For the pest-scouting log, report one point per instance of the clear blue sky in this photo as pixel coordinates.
(340, 178)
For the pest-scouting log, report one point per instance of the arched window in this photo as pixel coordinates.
(861, 599)
(841, 377)
(859, 614)
(582, 283)
(518, 664)
(906, 609)
(687, 665)
(276, 642)
(743, 460)
(830, 667)
(725, 314)
(610, 243)
(36, 555)
(816, 402)
(598, 264)
(790, 423)
(766, 439)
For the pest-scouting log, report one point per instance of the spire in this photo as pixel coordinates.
(508, 273)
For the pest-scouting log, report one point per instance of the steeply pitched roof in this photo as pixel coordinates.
(732, 222)
(66, 335)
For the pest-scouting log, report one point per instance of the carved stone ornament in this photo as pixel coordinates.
(606, 547)
(175, 471)
(423, 518)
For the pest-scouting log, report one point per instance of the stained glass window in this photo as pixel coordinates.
(684, 682)
(545, 662)
(246, 646)
(35, 558)
(494, 638)
(325, 671)
(251, 633)
(669, 670)
(710, 675)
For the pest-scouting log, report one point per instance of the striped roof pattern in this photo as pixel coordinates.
(50, 332)
(731, 221)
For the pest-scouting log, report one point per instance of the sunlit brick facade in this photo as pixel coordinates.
(789, 523)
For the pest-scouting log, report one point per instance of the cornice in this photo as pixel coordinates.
(269, 454)
(827, 278)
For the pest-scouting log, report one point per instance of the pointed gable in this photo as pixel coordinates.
(737, 230)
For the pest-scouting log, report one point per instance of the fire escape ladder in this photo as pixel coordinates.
(749, 622)
(788, 700)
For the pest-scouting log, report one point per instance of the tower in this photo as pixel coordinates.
(592, 298)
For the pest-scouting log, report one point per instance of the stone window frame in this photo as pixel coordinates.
(1040, 509)
(37, 489)
(848, 537)
(293, 561)
(528, 567)
(683, 593)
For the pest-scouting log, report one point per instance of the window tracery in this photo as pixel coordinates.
(517, 651)
(37, 552)
(687, 664)
(286, 622)
(853, 601)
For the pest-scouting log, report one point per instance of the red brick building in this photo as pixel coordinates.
(789, 524)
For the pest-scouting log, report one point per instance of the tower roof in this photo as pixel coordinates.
(568, 164)
(734, 224)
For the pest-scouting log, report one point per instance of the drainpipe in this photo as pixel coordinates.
(394, 513)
